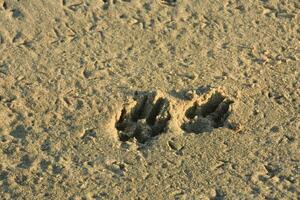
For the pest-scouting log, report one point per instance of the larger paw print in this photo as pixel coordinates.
(208, 115)
(148, 118)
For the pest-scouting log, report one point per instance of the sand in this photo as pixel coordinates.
(149, 99)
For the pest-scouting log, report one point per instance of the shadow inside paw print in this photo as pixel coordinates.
(169, 2)
(209, 115)
(148, 118)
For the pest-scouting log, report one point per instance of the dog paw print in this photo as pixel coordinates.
(148, 118)
(204, 116)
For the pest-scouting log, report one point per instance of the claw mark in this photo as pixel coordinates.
(4, 5)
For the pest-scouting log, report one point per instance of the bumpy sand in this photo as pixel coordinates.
(149, 99)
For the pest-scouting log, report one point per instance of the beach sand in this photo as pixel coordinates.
(149, 99)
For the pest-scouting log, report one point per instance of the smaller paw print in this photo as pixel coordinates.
(206, 116)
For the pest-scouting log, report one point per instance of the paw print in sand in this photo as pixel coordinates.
(204, 116)
(146, 118)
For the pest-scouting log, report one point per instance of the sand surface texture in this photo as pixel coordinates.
(149, 99)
